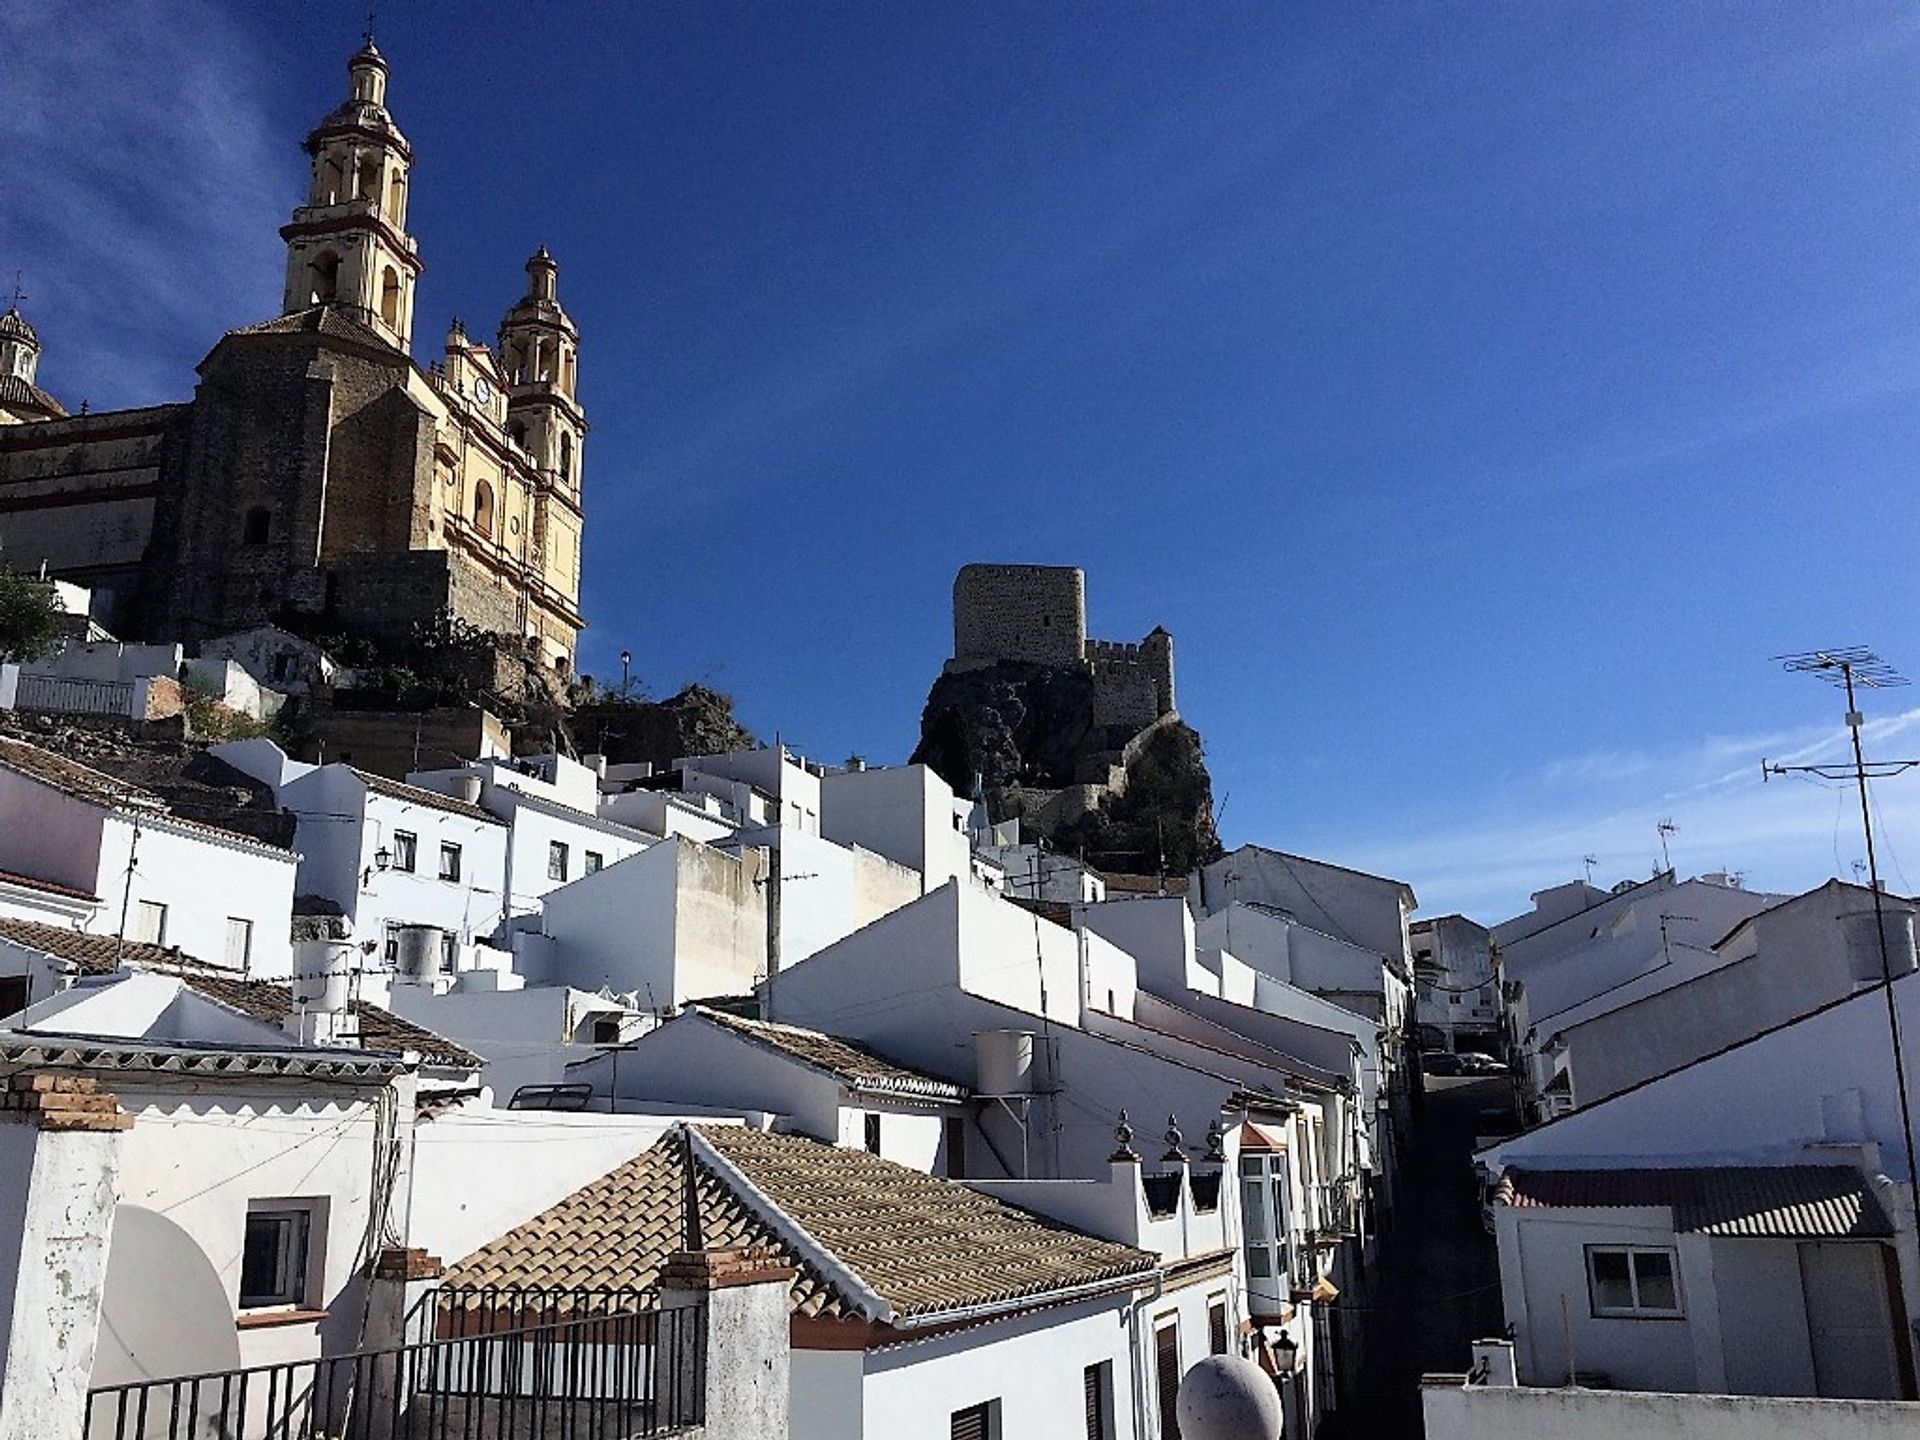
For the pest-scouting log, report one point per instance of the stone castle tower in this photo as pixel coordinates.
(1037, 615)
(319, 476)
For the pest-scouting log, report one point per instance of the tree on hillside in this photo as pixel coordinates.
(29, 616)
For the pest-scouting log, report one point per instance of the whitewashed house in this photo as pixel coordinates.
(393, 861)
(905, 813)
(1456, 991)
(1742, 1225)
(677, 921)
(96, 852)
(551, 807)
(1773, 966)
(1040, 1023)
(817, 1085)
(1638, 940)
(918, 1306)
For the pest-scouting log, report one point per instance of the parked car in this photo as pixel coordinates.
(1476, 1064)
(1440, 1062)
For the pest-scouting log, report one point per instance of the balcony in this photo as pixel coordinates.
(488, 1365)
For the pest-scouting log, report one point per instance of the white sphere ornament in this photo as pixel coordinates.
(1226, 1398)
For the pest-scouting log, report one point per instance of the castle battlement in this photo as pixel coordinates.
(1037, 615)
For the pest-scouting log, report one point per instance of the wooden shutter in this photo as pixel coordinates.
(1217, 1327)
(969, 1424)
(1091, 1381)
(1166, 1362)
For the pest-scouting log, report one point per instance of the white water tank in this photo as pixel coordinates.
(322, 974)
(468, 788)
(1003, 1062)
(418, 951)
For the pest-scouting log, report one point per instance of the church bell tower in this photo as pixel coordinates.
(348, 245)
(540, 351)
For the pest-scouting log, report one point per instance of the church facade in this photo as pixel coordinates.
(319, 474)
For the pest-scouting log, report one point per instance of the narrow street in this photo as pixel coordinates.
(1439, 1288)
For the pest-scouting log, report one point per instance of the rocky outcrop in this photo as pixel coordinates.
(1134, 801)
(697, 721)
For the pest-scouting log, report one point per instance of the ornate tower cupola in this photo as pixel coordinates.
(540, 352)
(348, 245)
(21, 400)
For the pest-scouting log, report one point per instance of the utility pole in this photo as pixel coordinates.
(1846, 668)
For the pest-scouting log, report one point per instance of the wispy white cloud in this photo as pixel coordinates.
(1783, 833)
(142, 187)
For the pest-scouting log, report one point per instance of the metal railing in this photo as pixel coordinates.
(67, 695)
(615, 1368)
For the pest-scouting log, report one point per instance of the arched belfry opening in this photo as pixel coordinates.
(390, 296)
(483, 508)
(258, 524)
(323, 275)
(566, 457)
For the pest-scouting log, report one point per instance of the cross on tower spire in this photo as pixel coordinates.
(18, 294)
(367, 34)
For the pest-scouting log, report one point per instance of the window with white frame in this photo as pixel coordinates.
(556, 860)
(1633, 1282)
(239, 942)
(277, 1254)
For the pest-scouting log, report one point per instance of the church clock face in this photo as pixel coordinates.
(482, 390)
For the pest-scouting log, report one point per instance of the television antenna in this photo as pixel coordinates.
(1664, 829)
(1851, 668)
(1590, 861)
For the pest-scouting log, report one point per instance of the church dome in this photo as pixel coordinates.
(14, 326)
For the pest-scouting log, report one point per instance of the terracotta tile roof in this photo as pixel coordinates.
(1751, 1201)
(854, 1065)
(380, 1030)
(868, 1238)
(28, 882)
(70, 776)
(83, 782)
(15, 391)
(432, 799)
(1118, 884)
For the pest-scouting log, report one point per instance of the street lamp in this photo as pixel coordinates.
(626, 659)
(1286, 1353)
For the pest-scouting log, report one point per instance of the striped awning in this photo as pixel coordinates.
(1786, 1202)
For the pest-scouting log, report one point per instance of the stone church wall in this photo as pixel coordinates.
(78, 495)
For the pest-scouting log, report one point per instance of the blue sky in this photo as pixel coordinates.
(1479, 393)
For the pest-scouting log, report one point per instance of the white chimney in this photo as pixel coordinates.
(469, 788)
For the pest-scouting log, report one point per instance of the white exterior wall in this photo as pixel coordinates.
(896, 986)
(664, 813)
(1544, 1282)
(1298, 955)
(1823, 1081)
(1030, 1364)
(202, 881)
(1785, 963)
(905, 813)
(526, 1036)
(1489, 1412)
(478, 1173)
(1370, 911)
(50, 835)
(771, 771)
(827, 890)
(672, 923)
(342, 826)
(1158, 933)
(828, 1395)
(191, 1163)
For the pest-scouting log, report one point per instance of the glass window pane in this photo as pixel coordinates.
(1612, 1290)
(1252, 1197)
(1653, 1270)
(1259, 1263)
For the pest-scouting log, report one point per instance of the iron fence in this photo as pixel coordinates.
(65, 695)
(602, 1373)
